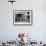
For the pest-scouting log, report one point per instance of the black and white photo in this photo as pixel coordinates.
(22, 16)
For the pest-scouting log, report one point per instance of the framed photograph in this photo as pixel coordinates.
(22, 17)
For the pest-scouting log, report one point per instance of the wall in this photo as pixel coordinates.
(37, 31)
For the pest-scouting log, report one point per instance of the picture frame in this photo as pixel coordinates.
(22, 17)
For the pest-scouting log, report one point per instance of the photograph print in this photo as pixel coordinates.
(22, 17)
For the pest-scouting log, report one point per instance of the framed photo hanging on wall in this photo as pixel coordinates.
(22, 17)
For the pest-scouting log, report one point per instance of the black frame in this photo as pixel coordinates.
(24, 24)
